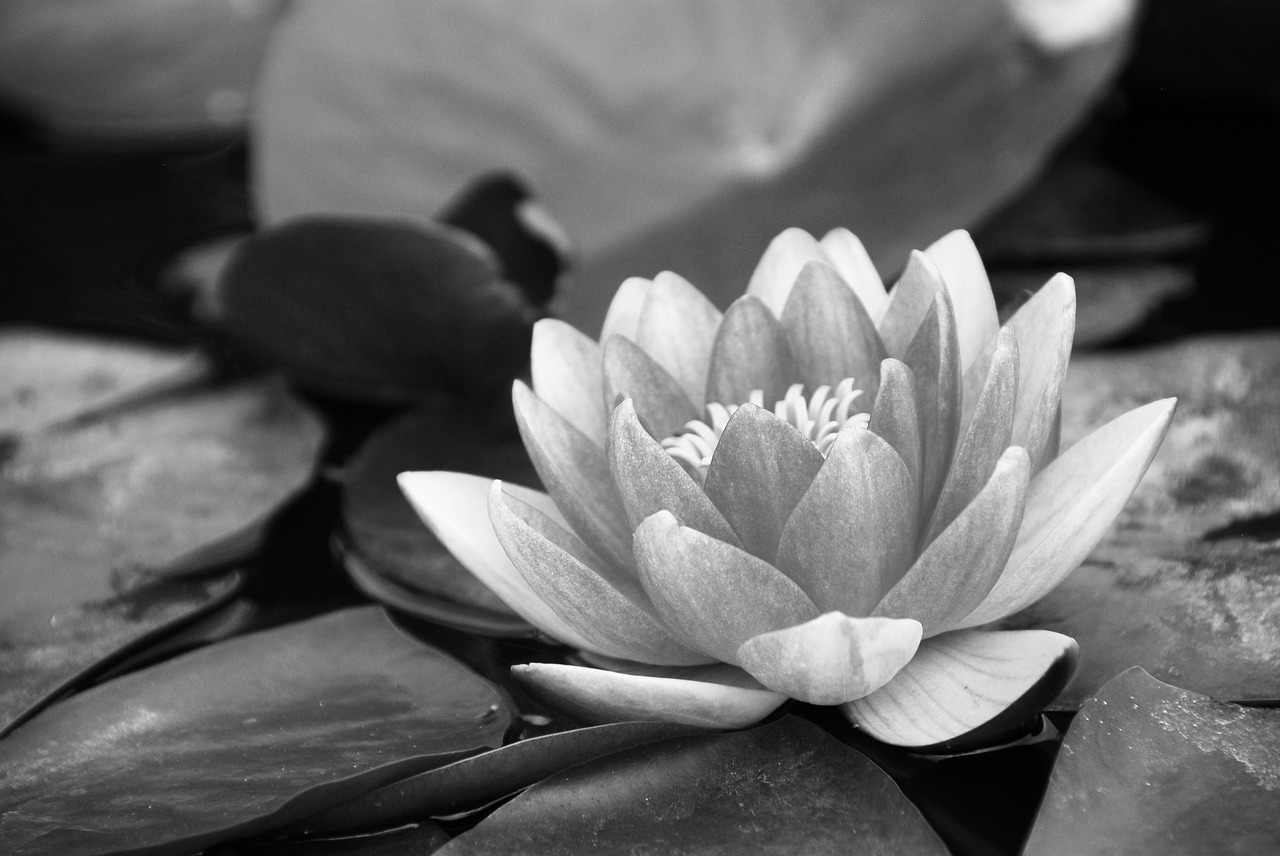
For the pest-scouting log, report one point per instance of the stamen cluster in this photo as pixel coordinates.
(819, 418)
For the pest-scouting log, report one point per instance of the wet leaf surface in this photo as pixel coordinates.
(394, 557)
(787, 786)
(240, 738)
(48, 659)
(477, 781)
(1147, 768)
(377, 310)
(158, 486)
(1187, 584)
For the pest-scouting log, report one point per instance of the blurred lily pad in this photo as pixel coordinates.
(389, 311)
(239, 738)
(672, 135)
(389, 541)
(783, 787)
(53, 376)
(1147, 768)
(1187, 584)
(97, 499)
(79, 643)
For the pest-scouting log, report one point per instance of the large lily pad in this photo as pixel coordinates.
(1187, 584)
(51, 658)
(389, 540)
(784, 787)
(103, 486)
(1147, 768)
(239, 738)
(673, 135)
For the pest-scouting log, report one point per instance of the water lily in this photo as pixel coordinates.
(826, 493)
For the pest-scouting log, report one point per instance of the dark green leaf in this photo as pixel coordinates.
(239, 738)
(1147, 768)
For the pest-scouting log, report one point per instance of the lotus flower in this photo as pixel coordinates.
(844, 545)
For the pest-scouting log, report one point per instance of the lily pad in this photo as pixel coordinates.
(387, 311)
(155, 485)
(786, 787)
(54, 657)
(670, 135)
(1147, 768)
(1186, 585)
(240, 738)
(50, 376)
(477, 781)
(389, 540)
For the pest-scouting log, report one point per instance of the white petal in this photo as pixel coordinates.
(847, 254)
(779, 266)
(624, 310)
(970, 289)
(567, 374)
(455, 507)
(961, 682)
(727, 698)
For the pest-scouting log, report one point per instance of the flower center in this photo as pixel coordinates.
(819, 418)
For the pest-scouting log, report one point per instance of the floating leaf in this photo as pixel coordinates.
(160, 486)
(50, 377)
(239, 738)
(1147, 768)
(377, 310)
(50, 658)
(1185, 584)
(388, 539)
(784, 787)
(479, 780)
(669, 136)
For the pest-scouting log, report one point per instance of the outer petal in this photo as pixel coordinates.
(1045, 326)
(750, 353)
(623, 316)
(713, 595)
(956, 571)
(455, 507)
(649, 480)
(629, 372)
(829, 331)
(1072, 503)
(616, 618)
(567, 374)
(934, 359)
(760, 469)
(970, 289)
(895, 418)
(852, 535)
(849, 257)
(966, 686)
(909, 302)
(833, 658)
(726, 698)
(576, 474)
(989, 433)
(677, 328)
(776, 273)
